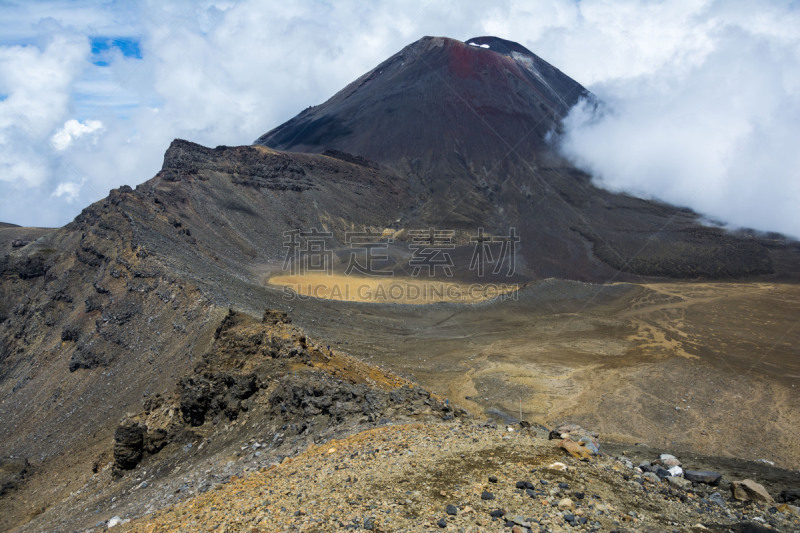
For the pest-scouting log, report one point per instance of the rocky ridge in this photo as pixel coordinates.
(265, 389)
(469, 477)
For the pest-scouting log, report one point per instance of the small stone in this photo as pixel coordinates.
(702, 476)
(492, 479)
(369, 523)
(679, 482)
(486, 495)
(675, 471)
(442, 523)
(669, 460)
(451, 510)
(566, 504)
(524, 485)
(497, 513)
(789, 508)
(517, 529)
(557, 467)
(717, 499)
(651, 477)
(563, 486)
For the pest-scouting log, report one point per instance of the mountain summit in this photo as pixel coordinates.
(437, 101)
(465, 126)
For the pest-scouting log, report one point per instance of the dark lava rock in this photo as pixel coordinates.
(497, 513)
(30, 267)
(524, 485)
(492, 479)
(442, 523)
(451, 510)
(486, 495)
(790, 495)
(85, 358)
(702, 476)
(12, 473)
(214, 393)
(128, 445)
(662, 474)
(70, 333)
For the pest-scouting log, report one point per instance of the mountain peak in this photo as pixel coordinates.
(439, 97)
(496, 44)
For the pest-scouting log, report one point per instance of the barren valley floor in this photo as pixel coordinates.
(708, 367)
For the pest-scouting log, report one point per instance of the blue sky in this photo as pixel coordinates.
(703, 97)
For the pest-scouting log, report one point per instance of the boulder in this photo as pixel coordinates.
(790, 495)
(750, 490)
(702, 476)
(128, 445)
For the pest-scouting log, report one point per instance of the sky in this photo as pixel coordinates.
(700, 99)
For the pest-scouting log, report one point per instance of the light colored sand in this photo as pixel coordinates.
(414, 291)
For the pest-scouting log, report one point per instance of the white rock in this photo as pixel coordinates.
(116, 520)
(676, 471)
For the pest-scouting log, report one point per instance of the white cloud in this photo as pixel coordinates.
(69, 190)
(73, 130)
(718, 135)
(18, 170)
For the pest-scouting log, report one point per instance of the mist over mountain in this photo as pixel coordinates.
(472, 126)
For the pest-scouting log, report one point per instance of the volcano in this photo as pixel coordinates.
(131, 355)
(471, 128)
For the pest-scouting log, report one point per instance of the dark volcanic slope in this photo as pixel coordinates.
(439, 99)
(467, 125)
(119, 303)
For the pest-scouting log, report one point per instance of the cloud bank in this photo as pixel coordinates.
(718, 133)
(701, 98)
